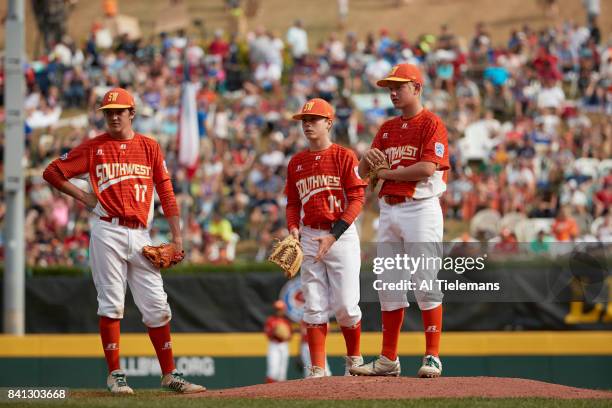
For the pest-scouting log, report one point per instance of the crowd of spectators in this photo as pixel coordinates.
(529, 123)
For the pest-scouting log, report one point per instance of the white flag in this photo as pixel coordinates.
(188, 127)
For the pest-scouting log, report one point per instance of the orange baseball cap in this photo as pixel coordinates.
(402, 73)
(280, 305)
(316, 107)
(117, 98)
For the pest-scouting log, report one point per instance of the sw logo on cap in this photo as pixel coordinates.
(308, 106)
(112, 96)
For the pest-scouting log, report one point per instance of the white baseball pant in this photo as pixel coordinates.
(277, 360)
(416, 228)
(332, 284)
(116, 261)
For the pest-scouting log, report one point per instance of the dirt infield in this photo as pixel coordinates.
(352, 388)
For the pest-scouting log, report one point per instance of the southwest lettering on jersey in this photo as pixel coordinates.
(109, 171)
(397, 153)
(307, 184)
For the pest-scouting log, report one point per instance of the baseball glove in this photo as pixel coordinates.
(288, 255)
(373, 173)
(282, 332)
(163, 256)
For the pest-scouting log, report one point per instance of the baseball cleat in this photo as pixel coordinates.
(316, 372)
(381, 366)
(351, 361)
(174, 381)
(117, 383)
(431, 368)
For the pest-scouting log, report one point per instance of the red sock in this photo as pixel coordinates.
(160, 337)
(392, 325)
(432, 324)
(110, 331)
(316, 343)
(352, 337)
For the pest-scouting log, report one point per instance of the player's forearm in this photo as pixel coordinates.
(363, 168)
(416, 172)
(167, 198)
(175, 228)
(293, 215)
(356, 199)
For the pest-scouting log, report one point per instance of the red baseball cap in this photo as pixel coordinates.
(316, 107)
(117, 98)
(402, 73)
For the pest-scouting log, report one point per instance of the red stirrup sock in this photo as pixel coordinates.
(352, 337)
(316, 343)
(432, 325)
(392, 325)
(160, 337)
(110, 331)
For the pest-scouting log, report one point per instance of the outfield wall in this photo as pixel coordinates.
(241, 302)
(224, 360)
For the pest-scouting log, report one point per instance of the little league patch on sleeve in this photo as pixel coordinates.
(439, 149)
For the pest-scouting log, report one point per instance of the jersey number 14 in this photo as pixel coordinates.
(335, 204)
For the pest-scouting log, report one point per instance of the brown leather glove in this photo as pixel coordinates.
(288, 255)
(163, 256)
(373, 173)
(282, 332)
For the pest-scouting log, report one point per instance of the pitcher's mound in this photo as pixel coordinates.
(348, 388)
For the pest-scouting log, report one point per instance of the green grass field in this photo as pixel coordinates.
(153, 399)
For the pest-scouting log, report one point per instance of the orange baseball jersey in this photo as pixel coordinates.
(122, 173)
(320, 186)
(408, 141)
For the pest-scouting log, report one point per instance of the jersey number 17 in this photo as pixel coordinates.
(141, 192)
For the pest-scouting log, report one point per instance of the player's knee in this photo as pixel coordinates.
(111, 311)
(315, 317)
(428, 299)
(157, 318)
(425, 305)
(348, 316)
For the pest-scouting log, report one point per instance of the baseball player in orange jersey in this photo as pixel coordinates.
(324, 196)
(278, 332)
(123, 168)
(415, 145)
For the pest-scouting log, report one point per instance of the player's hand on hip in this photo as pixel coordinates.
(325, 242)
(295, 232)
(90, 200)
(374, 156)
